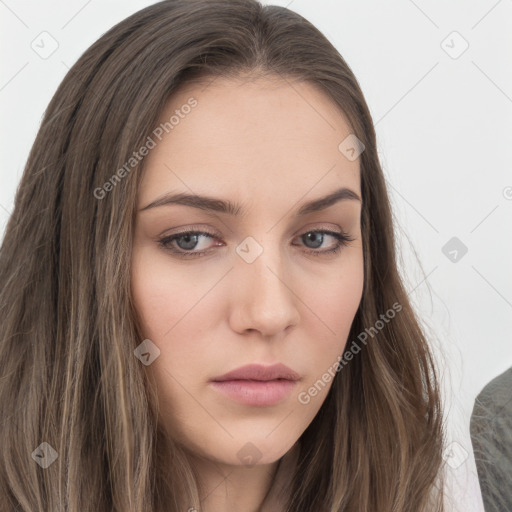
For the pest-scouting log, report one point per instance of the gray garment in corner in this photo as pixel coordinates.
(491, 436)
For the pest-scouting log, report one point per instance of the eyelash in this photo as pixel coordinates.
(342, 241)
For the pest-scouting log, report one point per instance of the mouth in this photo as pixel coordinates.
(257, 385)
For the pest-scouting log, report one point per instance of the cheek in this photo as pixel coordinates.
(333, 306)
(161, 295)
(337, 296)
(164, 300)
(175, 313)
(340, 300)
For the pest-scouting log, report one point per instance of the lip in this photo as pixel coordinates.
(259, 372)
(256, 384)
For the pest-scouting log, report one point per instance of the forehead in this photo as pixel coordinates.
(258, 138)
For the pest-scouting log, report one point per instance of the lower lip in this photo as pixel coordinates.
(252, 392)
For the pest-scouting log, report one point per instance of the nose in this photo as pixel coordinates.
(263, 298)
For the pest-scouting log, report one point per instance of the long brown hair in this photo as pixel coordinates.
(69, 377)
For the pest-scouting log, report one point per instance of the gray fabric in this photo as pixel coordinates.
(491, 436)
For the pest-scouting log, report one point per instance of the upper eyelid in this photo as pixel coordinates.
(215, 233)
(200, 231)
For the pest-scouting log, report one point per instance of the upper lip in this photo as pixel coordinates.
(259, 372)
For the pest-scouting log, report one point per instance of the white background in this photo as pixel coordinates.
(444, 134)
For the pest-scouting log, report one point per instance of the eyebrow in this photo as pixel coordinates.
(227, 207)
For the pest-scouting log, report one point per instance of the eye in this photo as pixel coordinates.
(186, 241)
(316, 239)
(185, 244)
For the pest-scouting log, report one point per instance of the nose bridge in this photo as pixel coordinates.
(264, 300)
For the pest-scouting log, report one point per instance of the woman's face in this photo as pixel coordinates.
(258, 285)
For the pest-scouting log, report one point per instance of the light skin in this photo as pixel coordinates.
(270, 146)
